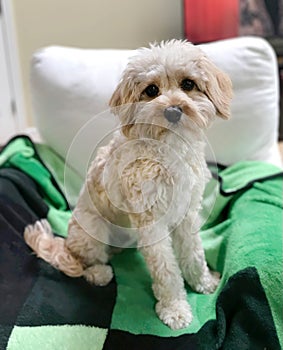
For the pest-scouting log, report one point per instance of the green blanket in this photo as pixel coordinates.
(242, 239)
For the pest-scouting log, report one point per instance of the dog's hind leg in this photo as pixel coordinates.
(90, 245)
(77, 255)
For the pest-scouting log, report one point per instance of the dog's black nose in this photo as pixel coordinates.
(173, 113)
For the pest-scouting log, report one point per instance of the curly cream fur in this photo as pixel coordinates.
(151, 176)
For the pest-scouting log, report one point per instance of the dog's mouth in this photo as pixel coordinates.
(155, 119)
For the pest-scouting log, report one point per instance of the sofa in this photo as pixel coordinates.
(241, 233)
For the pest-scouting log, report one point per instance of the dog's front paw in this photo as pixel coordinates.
(176, 314)
(208, 283)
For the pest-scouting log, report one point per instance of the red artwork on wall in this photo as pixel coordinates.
(209, 20)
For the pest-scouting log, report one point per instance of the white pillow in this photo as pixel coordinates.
(72, 86)
(252, 132)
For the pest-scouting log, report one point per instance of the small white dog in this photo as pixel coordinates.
(153, 173)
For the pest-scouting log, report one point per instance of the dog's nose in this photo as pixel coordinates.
(173, 113)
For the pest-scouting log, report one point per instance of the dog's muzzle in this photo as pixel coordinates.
(173, 114)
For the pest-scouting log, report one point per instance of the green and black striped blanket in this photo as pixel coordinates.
(41, 308)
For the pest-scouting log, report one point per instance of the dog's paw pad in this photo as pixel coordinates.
(99, 275)
(209, 283)
(176, 314)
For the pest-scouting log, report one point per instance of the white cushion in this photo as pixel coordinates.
(71, 88)
(252, 132)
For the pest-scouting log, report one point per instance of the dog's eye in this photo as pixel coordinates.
(151, 91)
(188, 84)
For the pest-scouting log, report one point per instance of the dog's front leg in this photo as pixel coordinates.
(168, 285)
(189, 250)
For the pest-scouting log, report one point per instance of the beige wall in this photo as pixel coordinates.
(91, 23)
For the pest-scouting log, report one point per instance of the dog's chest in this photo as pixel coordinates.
(148, 176)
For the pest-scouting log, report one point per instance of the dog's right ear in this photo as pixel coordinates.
(122, 103)
(125, 92)
(116, 98)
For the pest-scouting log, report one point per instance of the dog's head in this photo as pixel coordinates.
(168, 86)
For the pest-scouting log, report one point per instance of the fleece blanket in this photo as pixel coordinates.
(41, 308)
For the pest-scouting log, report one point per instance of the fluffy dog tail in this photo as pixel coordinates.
(52, 249)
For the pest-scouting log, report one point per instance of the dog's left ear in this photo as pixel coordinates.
(218, 87)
